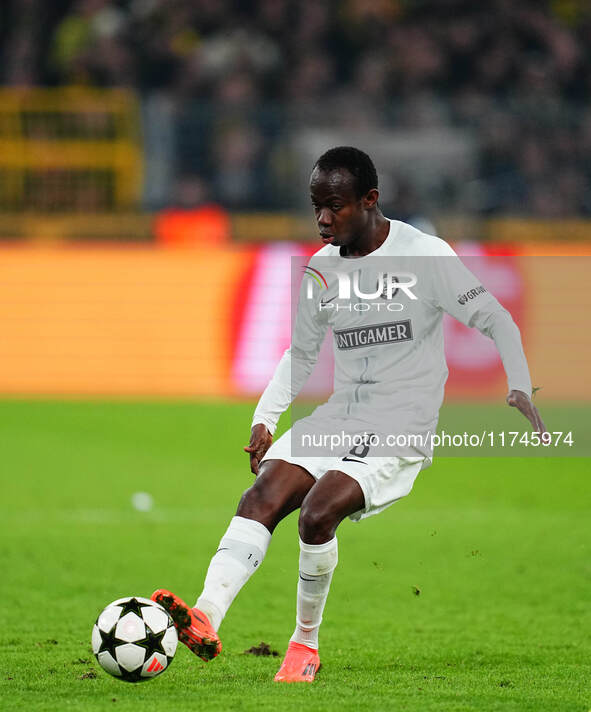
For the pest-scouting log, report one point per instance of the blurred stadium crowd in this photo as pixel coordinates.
(225, 85)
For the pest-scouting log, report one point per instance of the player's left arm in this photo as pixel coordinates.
(461, 295)
(494, 321)
(521, 401)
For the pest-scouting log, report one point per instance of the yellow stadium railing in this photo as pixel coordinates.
(70, 149)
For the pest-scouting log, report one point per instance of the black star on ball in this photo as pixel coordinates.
(132, 606)
(152, 642)
(108, 641)
(133, 676)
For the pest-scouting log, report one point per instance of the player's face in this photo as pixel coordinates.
(341, 216)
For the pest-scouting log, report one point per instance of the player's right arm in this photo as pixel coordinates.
(290, 375)
(260, 442)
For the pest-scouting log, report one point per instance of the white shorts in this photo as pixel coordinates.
(383, 480)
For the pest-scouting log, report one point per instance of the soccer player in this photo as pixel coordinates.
(390, 373)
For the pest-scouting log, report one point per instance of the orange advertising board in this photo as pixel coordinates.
(214, 321)
(118, 321)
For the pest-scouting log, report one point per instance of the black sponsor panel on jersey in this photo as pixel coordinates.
(375, 334)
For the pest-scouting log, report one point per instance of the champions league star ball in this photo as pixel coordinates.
(134, 639)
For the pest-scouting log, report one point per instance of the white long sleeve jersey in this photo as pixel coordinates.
(390, 367)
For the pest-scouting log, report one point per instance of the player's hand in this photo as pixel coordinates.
(260, 442)
(521, 401)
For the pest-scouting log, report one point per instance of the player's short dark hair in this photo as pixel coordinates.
(358, 163)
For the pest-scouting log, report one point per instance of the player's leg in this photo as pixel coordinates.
(279, 488)
(332, 498)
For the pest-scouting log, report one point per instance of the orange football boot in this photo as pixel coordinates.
(192, 625)
(300, 664)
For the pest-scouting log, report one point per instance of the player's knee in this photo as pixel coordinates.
(316, 524)
(256, 503)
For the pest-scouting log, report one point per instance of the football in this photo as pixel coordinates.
(134, 639)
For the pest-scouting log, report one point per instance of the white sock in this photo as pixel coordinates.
(317, 563)
(240, 553)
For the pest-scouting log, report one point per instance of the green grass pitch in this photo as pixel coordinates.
(473, 593)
